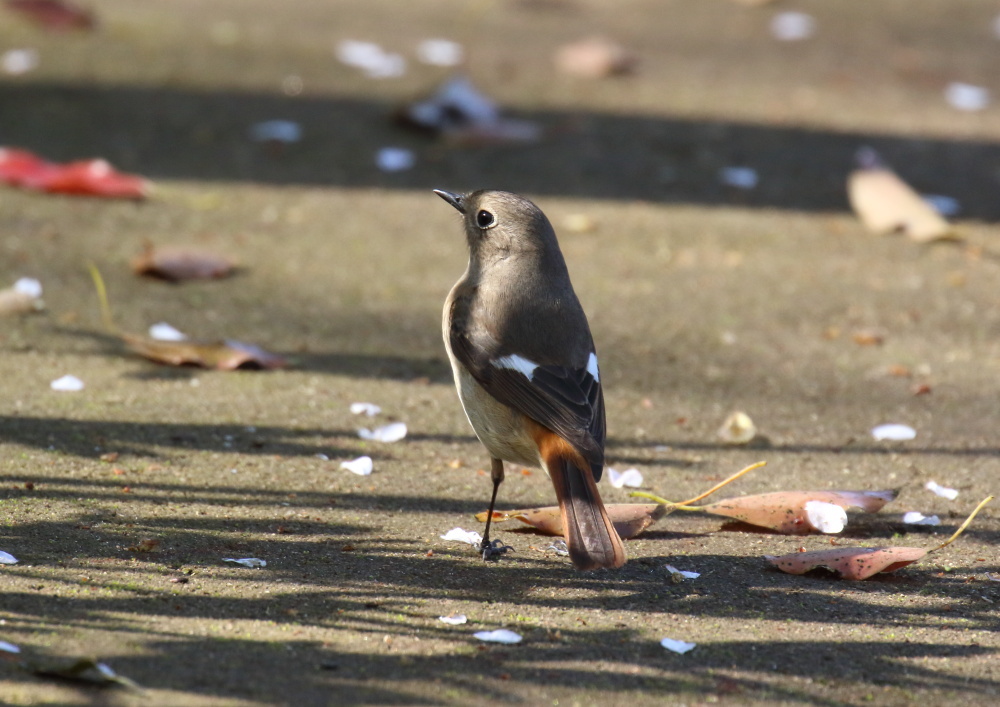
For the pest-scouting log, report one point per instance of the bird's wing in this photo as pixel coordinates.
(568, 401)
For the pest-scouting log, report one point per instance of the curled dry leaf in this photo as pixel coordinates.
(225, 355)
(629, 519)
(885, 203)
(177, 264)
(53, 14)
(849, 562)
(594, 58)
(863, 562)
(785, 511)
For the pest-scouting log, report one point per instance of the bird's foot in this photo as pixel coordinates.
(493, 550)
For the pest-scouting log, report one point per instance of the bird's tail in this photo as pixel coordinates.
(591, 537)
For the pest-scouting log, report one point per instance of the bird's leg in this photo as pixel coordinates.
(493, 550)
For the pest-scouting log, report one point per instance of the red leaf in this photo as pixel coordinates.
(785, 512)
(19, 167)
(53, 14)
(89, 178)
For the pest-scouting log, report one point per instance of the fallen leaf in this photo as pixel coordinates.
(885, 203)
(629, 519)
(849, 562)
(19, 167)
(90, 178)
(225, 355)
(53, 14)
(856, 563)
(594, 58)
(175, 264)
(785, 511)
(500, 635)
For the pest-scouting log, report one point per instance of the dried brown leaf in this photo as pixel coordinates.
(629, 519)
(784, 511)
(176, 264)
(885, 203)
(849, 562)
(222, 355)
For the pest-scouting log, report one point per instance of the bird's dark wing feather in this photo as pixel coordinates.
(567, 401)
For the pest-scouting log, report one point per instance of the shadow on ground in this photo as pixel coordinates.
(183, 134)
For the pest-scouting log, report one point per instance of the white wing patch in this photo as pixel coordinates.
(592, 367)
(518, 363)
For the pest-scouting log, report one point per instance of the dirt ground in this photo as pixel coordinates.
(703, 299)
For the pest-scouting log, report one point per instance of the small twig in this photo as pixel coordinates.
(686, 505)
(102, 296)
(964, 525)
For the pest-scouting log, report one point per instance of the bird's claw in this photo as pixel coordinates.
(493, 550)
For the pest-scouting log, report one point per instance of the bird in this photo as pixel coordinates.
(525, 366)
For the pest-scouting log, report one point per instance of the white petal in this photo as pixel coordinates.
(440, 52)
(739, 177)
(362, 466)
(395, 159)
(677, 646)
(686, 575)
(28, 286)
(967, 97)
(359, 54)
(792, 26)
(893, 432)
(369, 409)
(559, 547)
(276, 131)
(463, 536)
(251, 562)
(918, 518)
(825, 517)
(630, 477)
(942, 491)
(19, 61)
(387, 433)
(7, 559)
(9, 647)
(164, 332)
(67, 383)
(453, 619)
(501, 635)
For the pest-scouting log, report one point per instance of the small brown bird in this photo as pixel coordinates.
(525, 365)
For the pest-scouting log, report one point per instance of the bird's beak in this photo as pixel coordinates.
(452, 198)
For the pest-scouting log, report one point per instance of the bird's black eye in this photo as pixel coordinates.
(484, 219)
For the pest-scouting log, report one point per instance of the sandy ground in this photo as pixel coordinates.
(703, 300)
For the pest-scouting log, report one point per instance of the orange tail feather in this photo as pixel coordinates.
(591, 536)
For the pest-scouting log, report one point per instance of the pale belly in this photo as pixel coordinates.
(498, 427)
